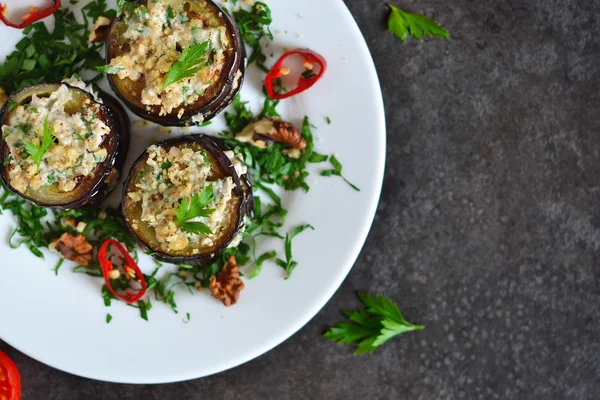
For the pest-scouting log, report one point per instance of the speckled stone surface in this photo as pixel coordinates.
(487, 231)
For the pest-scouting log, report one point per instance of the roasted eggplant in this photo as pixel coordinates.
(60, 147)
(168, 179)
(145, 43)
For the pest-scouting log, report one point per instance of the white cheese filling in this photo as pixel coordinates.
(76, 150)
(177, 174)
(157, 39)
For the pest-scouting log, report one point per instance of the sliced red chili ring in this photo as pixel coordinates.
(130, 295)
(32, 16)
(312, 62)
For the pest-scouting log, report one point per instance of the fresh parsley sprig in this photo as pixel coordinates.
(192, 60)
(402, 23)
(373, 326)
(37, 151)
(194, 209)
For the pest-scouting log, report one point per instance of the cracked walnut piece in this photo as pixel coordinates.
(227, 285)
(258, 133)
(74, 248)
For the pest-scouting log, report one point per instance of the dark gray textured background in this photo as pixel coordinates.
(487, 231)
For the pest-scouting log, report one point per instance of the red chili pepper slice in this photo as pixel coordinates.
(10, 380)
(107, 266)
(32, 16)
(305, 80)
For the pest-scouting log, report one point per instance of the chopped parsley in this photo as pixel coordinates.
(44, 56)
(110, 69)
(254, 25)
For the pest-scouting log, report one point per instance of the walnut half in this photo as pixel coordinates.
(227, 285)
(74, 248)
(260, 132)
(99, 31)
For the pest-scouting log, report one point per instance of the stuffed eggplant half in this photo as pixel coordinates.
(175, 62)
(185, 199)
(61, 147)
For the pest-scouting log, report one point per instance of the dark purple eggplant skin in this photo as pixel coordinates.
(209, 109)
(242, 189)
(90, 190)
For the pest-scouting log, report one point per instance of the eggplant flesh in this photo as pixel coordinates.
(198, 251)
(90, 188)
(216, 97)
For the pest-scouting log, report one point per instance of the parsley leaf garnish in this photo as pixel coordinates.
(402, 23)
(192, 60)
(37, 152)
(194, 209)
(373, 326)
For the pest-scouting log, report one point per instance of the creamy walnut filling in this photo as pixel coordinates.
(77, 147)
(170, 176)
(157, 36)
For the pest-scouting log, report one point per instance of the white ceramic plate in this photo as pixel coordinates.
(60, 320)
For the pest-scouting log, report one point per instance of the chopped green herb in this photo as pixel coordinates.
(337, 171)
(53, 58)
(402, 24)
(192, 60)
(58, 265)
(108, 318)
(188, 211)
(110, 69)
(10, 105)
(328, 120)
(144, 307)
(373, 326)
(37, 152)
(126, 7)
(254, 25)
(289, 264)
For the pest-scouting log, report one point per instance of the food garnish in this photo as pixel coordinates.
(373, 326)
(402, 23)
(227, 285)
(188, 211)
(33, 14)
(192, 60)
(337, 171)
(37, 151)
(10, 379)
(254, 26)
(73, 247)
(272, 130)
(43, 56)
(314, 67)
(120, 284)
